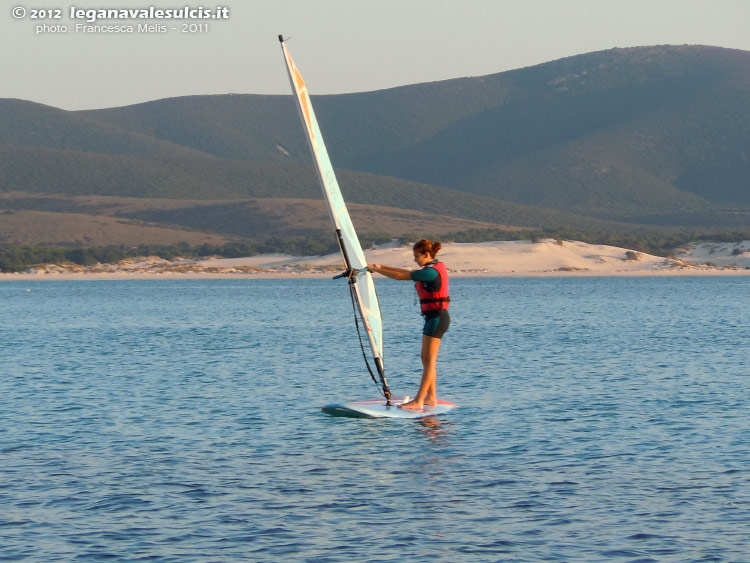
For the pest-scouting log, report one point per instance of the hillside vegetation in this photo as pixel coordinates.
(618, 141)
(612, 133)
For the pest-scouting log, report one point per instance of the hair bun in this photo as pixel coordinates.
(426, 246)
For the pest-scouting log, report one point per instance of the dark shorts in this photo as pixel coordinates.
(435, 324)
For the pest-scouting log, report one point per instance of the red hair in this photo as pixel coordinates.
(425, 246)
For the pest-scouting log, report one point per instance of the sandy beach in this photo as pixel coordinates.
(506, 258)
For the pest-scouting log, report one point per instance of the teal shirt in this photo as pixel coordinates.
(429, 276)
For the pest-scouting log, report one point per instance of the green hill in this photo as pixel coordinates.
(71, 174)
(643, 136)
(614, 134)
(237, 127)
(28, 124)
(660, 129)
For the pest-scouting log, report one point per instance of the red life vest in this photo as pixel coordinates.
(434, 300)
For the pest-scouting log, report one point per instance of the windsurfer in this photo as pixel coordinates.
(431, 282)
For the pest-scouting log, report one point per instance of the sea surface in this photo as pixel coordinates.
(599, 419)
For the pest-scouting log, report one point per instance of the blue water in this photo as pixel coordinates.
(599, 419)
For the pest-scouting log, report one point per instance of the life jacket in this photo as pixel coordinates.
(434, 300)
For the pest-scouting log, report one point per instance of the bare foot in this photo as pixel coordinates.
(412, 405)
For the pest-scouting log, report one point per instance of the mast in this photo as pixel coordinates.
(361, 285)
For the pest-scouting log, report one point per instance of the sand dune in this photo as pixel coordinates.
(516, 258)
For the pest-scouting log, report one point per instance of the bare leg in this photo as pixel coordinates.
(427, 394)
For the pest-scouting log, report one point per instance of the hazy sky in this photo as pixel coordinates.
(339, 45)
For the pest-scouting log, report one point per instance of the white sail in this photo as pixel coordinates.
(363, 285)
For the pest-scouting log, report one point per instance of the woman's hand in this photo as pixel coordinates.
(390, 271)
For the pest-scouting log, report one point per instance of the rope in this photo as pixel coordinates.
(359, 334)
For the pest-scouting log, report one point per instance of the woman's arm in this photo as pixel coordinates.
(390, 272)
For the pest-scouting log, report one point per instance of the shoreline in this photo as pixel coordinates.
(546, 258)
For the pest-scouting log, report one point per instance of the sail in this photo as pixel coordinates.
(362, 284)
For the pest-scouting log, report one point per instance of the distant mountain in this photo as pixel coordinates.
(646, 136)
(74, 173)
(236, 127)
(28, 124)
(105, 220)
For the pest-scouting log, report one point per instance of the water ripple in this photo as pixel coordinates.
(600, 419)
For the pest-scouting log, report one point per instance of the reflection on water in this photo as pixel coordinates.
(437, 430)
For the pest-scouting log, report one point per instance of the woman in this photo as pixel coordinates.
(432, 289)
